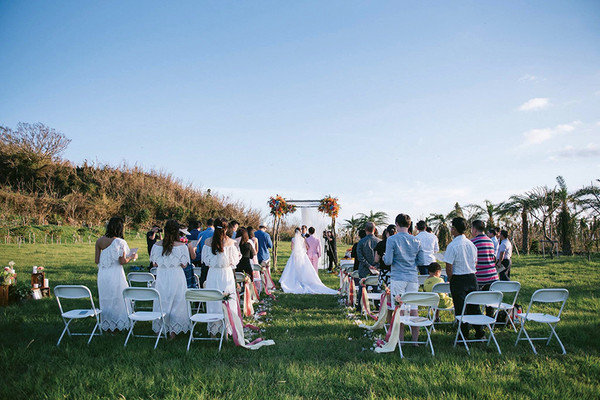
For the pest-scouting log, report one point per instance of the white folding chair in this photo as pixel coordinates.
(543, 296)
(132, 294)
(479, 299)
(510, 287)
(422, 279)
(145, 278)
(76, 292)
(203, 296)
(443, 287)
(419, 299)
(372, 280)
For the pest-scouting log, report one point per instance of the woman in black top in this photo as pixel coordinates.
(384, 270)
(247, 250)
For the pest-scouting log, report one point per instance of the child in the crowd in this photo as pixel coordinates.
(435, 272)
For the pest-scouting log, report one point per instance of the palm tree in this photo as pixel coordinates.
(543, 205)
(490, 209)
(589, 198)
(353, 224)
(518, 204)
(565, 220)
(379, 218)
(439, 223)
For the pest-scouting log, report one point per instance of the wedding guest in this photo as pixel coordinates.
(112, 252)
(195, 229)
(429, 230)
(461, 262)
(232, 230)
(384, 269)
(486, 269)
(503, 262)
(365, 251)
(247, 252)
(264, 244)
(314, 248)
(492, 235)
(255, 274)
(401, 252)
(353, 252)
(435, 277)
(189, 269)
(204, 235)
(429, 245)
(152, 236)
(221, 255)
(171, 257)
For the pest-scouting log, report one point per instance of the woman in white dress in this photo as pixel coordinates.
(171, 256)
(299, 275)
(222, 256)
(112, 252)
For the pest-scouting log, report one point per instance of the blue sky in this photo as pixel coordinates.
(394, 106)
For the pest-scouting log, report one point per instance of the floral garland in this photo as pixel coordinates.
(330, 206)
(280, 207)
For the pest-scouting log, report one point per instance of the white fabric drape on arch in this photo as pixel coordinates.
(312, 217)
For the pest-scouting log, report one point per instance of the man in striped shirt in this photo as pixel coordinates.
(486, 267)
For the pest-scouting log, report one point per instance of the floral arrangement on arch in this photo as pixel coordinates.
(280, 207)
(330, 206)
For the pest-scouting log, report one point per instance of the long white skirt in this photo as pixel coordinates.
(223, 280)
(171, 284)
(299, 277)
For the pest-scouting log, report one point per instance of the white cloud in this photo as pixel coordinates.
(537, 136)
(529, 78)
(537, 103)
(570, 152)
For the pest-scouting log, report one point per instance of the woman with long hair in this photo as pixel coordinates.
(221, 255)
(171, 256)
(112, 252)
(384, 270)
(247, 251)
(254, 242)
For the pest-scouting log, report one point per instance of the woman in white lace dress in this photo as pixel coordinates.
(171, 257)
(221, 255)
(112, 252)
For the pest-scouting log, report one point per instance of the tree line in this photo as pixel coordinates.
(37, 186)
(552, 218)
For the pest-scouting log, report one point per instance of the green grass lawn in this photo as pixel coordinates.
(319, 351)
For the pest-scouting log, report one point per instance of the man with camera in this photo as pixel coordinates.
(152, 237)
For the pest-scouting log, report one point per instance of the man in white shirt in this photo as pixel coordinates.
(503, 258)
(492, 235)
(429, 246)
(461, 262)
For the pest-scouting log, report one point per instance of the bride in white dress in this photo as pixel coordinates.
(299, 275)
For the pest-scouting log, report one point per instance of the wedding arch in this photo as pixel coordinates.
(316, 213)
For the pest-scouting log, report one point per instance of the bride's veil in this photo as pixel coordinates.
(298, 243)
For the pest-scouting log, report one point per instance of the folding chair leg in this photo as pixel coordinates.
(400, 349)
(191, 336)
(492, 336)
(94, 331)
(161, 330)
(529, 340)
(557, 338)
(429, 340)
(513, 324)
(223, 330)
(130, 333)
(457, 332)
(64, 330)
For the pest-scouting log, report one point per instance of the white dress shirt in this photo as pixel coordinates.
(429, 246)
(462, 254)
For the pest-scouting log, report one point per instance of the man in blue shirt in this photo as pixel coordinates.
(205, 234)
(264, 244)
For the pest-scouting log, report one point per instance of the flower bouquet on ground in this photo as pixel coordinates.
(8, 275)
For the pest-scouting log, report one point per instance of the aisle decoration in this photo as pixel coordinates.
(237, 329)
(8, 278)
(384, 306)
(279, 209)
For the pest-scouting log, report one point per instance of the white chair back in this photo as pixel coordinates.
(346, 262)
(442, 287)
(72, 292)
(202, 295)
(549, 296)
(422, 279)
(371, 280)
(506, 286)
(355, 274)
(141, 277)
(240, 277)
(153, 271)
(483, 298)
(256, 267)
(421, 299)
(133, 294)
(197, 271)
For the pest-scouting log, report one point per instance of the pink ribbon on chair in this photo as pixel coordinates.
(365, 304)
(237, 331)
